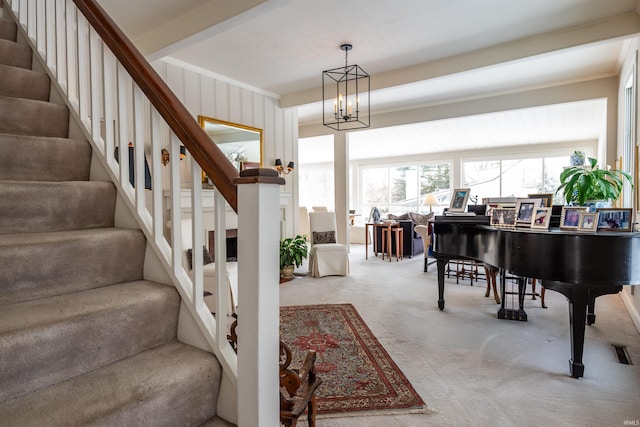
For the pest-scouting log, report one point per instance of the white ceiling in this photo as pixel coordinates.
(418, 52)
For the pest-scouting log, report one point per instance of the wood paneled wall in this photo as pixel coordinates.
(206, 95)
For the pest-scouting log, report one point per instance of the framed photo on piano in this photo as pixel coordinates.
(541, 218)
(588, 221)
(546, 199)
(459, 200)
(503, 217)
(614, 219)
(570, 217)
(524, 211)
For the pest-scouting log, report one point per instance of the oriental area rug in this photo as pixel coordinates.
(358, 376)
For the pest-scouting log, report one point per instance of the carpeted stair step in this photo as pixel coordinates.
(22, 83)
(83, 338)
(26, 158)
(34, 118)
(8, 29)
(15, 54)
(171, 385)
(34, 206)
(61, 262)
(80, 332)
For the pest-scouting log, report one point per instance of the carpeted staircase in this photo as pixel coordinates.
(84, 339)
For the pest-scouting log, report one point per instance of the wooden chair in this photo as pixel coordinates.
(492, 272)
(534, 294)
(424, 232)
(297, 388)
(464, 269)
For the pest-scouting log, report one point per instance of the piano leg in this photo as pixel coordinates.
(577, 318)
(581, 299)
(503, 280)
(591, 302)
(591, 314)
(442, 263)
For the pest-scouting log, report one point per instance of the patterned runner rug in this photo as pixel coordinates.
(357, 373)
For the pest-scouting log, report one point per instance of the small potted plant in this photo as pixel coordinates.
(589, 183)
(292, 251)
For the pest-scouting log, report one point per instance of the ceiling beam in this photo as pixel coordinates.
(606, 88)
(206, 21)
(620, 27)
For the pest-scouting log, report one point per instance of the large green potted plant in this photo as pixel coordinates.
(586, 183)
(292, 251)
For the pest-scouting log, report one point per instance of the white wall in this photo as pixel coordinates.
(630, 296)
(206, 94)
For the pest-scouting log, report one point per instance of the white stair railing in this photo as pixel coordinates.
(115, 115)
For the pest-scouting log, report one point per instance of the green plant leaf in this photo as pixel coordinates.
(580, 184)
(293, 251)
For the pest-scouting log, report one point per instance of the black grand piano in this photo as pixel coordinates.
(581, 266)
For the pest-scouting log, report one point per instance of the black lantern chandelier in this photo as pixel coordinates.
(345, 96)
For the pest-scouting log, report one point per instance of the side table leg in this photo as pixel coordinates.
(375, 239)
(366, 241)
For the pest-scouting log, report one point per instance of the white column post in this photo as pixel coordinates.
(258, 297)
(341, 184)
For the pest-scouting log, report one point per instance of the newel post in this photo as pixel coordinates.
(258, 297)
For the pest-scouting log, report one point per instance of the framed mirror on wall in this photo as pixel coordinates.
(243, 145)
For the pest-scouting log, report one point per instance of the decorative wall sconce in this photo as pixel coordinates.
(164, 155)
(278, 166)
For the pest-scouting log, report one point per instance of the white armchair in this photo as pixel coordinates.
(326, 258)
(303, 223)
(423, 231)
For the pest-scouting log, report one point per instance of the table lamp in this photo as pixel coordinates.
(430, 200)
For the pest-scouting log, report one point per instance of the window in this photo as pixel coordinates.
(514, 177)
(399, 189)
(627, 143)
(315, 172)
(483, 178)
(316, 185)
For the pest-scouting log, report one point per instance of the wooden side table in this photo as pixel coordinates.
(398, 231)
(387, 229)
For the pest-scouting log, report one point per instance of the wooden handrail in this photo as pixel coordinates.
(217, 167)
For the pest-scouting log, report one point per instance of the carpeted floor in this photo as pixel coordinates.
(471, 368)
(357, 373)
